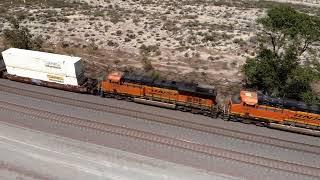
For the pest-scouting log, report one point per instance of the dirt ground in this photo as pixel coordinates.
(195, 40)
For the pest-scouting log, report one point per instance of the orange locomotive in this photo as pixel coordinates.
(169, 94)
(247, 107)
(252, 107)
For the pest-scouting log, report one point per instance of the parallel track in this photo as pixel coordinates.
(159, 139)
(165, 119)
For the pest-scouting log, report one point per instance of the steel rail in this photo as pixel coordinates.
(212, 129)
(164, 140)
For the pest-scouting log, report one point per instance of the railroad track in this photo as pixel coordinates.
(165, 119)
(160, 139)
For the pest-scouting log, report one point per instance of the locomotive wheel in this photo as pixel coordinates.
(260, 124)
(94, 92)
(101, 94)
(246, 121)
(195, 111)
(228, 118)
(183, 108)
(233, 118)
(129, 99)
(118, 97)
(216, 114)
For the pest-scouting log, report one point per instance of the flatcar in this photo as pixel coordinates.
(253, 107)
(170, 94)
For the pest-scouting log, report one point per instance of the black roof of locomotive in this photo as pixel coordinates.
(289, 104)
(185, 87)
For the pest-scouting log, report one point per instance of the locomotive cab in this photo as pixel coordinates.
(244, 98)
(110, 84)
(242, 104)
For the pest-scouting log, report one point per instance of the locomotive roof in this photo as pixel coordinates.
(288, 103)
(186, 87)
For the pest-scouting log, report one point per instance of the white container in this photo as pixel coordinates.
(44, 66)
(46, 76)
(43, 62)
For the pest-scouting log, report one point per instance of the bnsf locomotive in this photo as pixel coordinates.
(247, 107)
(170, 94)
(67, 73)
(253, 107)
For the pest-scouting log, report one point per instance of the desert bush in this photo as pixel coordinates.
(118, 32)
(115, 15)
(148, 50)
(116, 61)
(126, 39)
(153, 74)
(190, 16)
(204, 68)
(146, 63)
(210, 58)
(131, 36)
(170, 26)
(210, 37)
(99, 13)
(196, 54)
(192, 24)
(64, 44)
(106, 28)
(20, 37)
(111, 43)
(136, 20)
(240, 41)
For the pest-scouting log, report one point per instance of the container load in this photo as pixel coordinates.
(44, 66)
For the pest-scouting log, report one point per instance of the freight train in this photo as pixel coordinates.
(66, 73)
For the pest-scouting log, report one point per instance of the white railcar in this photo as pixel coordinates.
(57, 78)
(44, 66)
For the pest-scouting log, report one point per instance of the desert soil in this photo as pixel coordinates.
(203, 41)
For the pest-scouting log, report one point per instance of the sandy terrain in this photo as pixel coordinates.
(203, 41)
